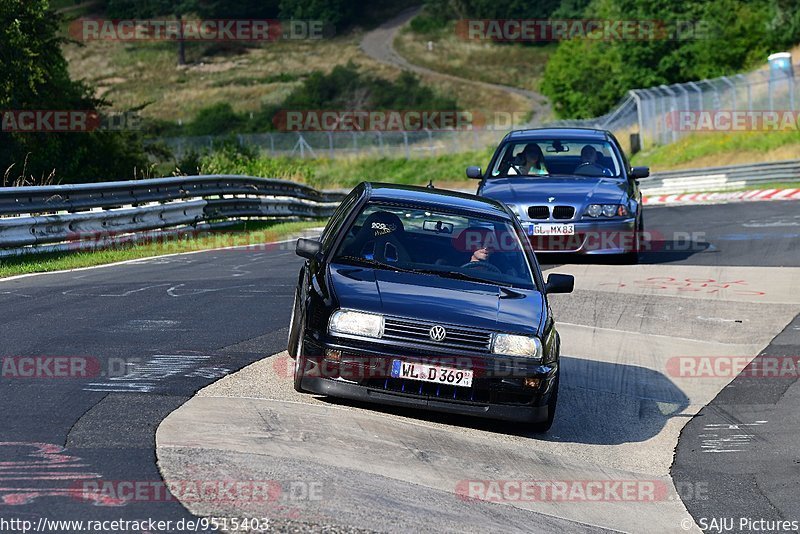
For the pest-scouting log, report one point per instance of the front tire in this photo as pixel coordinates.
(294, 328)
(295, 344)
(632, 257)
(544, 426)
(299, 366)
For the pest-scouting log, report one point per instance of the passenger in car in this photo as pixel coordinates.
(530, 162)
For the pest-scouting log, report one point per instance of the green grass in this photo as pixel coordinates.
(773, 185)
(514, 64)
(713, 149)
(249, 233)
(347, 172)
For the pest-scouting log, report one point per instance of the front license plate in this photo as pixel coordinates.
(551, 229)
(432, 373)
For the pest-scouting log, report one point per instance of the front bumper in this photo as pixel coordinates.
(611, 236)
(498, 390)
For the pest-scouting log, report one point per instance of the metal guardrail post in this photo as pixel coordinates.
(43, 215)
(733, 90)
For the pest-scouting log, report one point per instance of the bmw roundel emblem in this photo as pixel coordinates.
(438, 333)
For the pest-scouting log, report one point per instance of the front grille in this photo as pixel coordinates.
(417, 332)
(563, 212)
(539, 212)
(480, 392)
(430, 390)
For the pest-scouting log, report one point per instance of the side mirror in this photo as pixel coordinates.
(640, 172)
(560, 283)
(308, 248)
(474, 172)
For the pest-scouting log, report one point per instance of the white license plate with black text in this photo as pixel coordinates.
(432, 373)
(551, 229)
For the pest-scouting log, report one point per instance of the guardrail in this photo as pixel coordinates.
(81, 216)
(720, 178)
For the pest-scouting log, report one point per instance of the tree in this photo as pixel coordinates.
(35, 77)
(209, 9)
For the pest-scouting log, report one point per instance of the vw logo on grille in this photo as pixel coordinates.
(438, 333)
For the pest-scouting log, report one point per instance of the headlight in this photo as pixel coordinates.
(513, 208)
(512, 345)
(356, 323)
(606, 210)
(594, 210)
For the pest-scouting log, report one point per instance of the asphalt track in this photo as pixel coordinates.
(177, 324)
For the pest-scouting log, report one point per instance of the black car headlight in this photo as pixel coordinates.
(607, 210)
(515, 345)
(356, 323)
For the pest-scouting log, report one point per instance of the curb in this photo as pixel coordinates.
(733, 196)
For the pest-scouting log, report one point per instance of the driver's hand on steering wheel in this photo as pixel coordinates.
(480, 260)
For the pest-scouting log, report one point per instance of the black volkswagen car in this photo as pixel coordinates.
(431, 299)
(572, 188)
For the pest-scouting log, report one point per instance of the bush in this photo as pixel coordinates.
(216, 119)
(345, 87)
(232, 158)
(427, 24)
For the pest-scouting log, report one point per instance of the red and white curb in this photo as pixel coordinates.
(732, 196)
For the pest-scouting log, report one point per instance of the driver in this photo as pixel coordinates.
(481, 254)
(530, 162)
(588, 155)
(589, 165)
(480, 243)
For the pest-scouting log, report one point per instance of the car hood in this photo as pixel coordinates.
(436, 299)
(566, 189)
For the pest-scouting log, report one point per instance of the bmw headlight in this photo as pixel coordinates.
(356, 323)
(606, 210)
(513, 208)
(594, 210)
(609, 210)
(513, 345)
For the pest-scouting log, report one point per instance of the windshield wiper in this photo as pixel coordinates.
(367, 262)
(462, 276)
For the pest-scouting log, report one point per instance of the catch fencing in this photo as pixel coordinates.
(656, 113)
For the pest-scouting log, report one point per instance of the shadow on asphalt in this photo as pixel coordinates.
(599, 403)
(657, 252)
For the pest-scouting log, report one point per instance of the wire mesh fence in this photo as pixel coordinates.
(643, 118)
(764, 99)
(408, 145)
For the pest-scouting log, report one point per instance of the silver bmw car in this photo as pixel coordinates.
(573, 189)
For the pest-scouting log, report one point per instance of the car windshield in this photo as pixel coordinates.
(435, 243)
(545, 157)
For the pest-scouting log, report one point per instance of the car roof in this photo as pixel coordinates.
(549, 133)
(442, 198)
